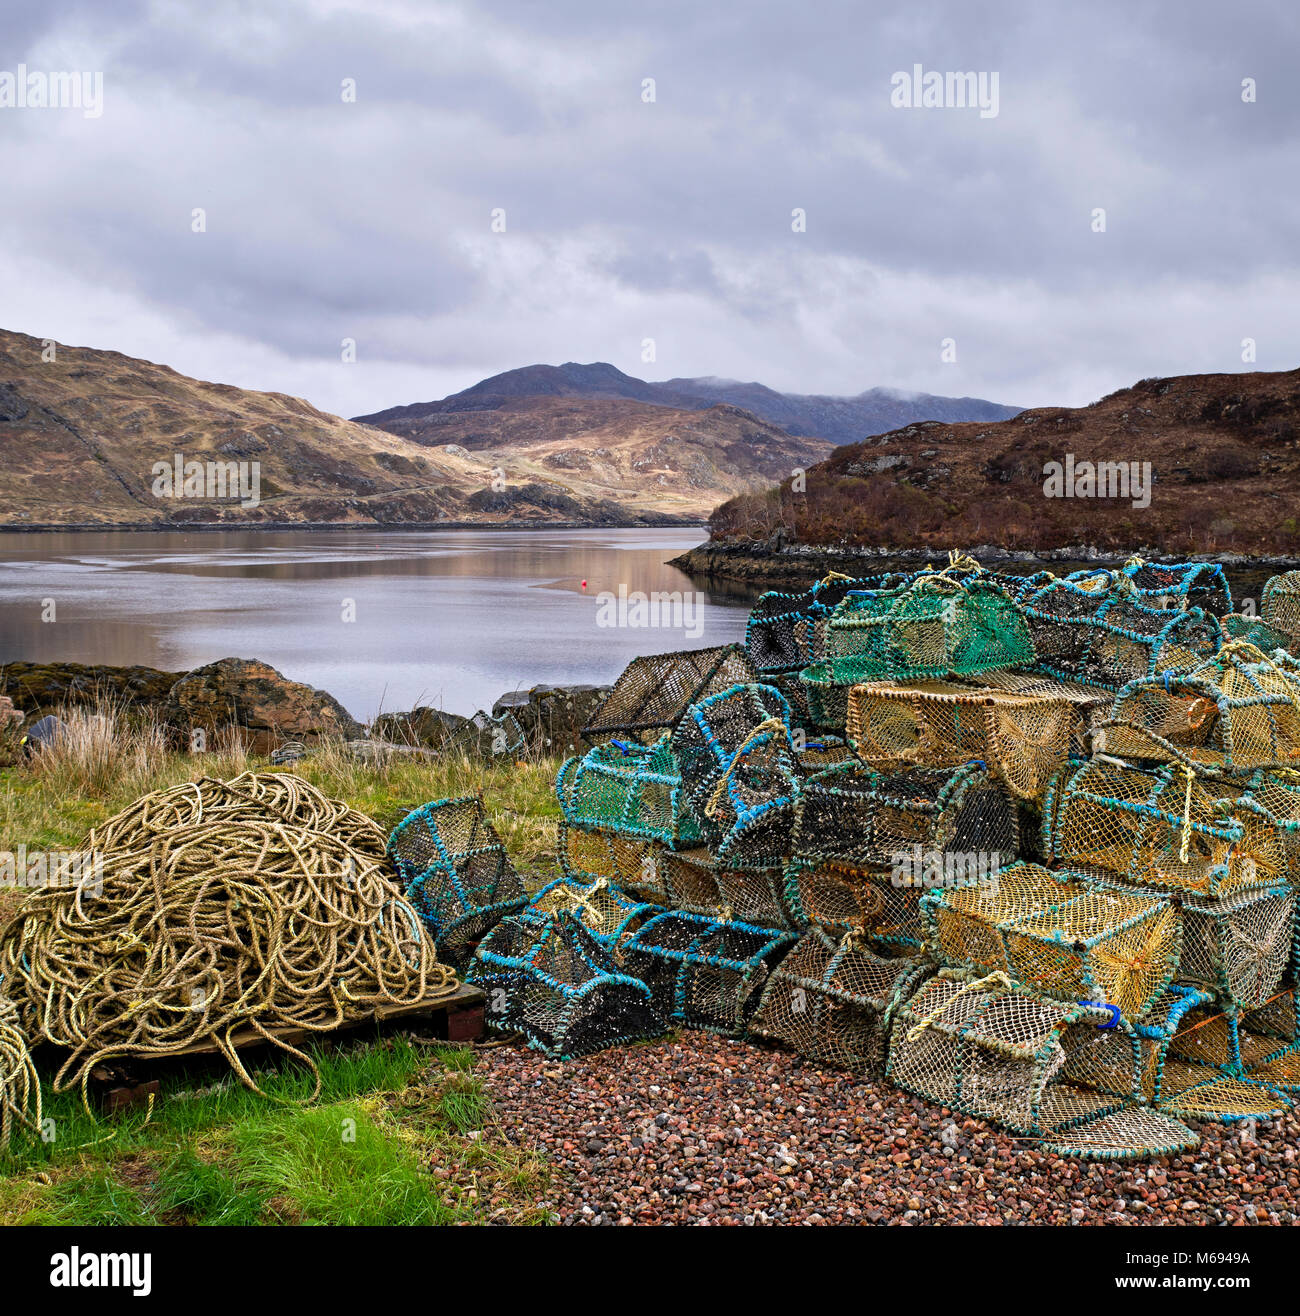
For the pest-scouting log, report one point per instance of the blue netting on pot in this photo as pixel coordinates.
(550, 979)
(740, 769)
(1094, 627)
(705, 973)
(457, 873)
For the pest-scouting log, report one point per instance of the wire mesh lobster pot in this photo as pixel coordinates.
(457, 873)
(610, 915)
(1179, 585)
(902, 820)
(632, 789)
(1064, 1072)
(551, 980)
(1238, 711)
(782, 632)
(631, 863)
(833, 999)
(874, 903)
(1188, 1088)
(1090, 702)
(740, 772)
(705, 973)
(936, 625)
(1159, 828)
(1088, 628)
(1279, 605)
(1054, 933)
(655, 691)
(1024, 738)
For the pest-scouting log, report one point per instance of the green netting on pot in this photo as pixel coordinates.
(485, 735)
(1055, 933)
(827, 699)
(628, 788)
(833, 999)
(551, 980)
(1090, 627)
(655, 691)
(901, 819)
(877, 903)
(1235, 626)
(935, 625)
(740, 772)
(782, 632)
(1191, 1089)
(1279, 606)
(989, 1049)
(630, 863)
(1237, 711)
(1179, 585)
(610, 915)
(705, 973)
(457, 873)
(1162, 828)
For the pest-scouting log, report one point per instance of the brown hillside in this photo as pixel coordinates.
(79, 437)
(1224, 453)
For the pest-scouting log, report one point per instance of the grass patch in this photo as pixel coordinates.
(402, 1135)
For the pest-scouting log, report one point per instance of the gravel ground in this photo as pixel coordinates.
(696, 1129)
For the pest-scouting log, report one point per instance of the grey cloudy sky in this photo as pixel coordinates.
(670, 220)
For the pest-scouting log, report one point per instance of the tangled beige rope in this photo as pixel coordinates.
(20, 1088)
(255, 903)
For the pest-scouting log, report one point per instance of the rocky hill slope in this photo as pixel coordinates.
(1187, 464)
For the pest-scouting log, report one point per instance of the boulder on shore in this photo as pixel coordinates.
(255, 697)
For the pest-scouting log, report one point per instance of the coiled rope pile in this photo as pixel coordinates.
(255, 903)
(20, 1088)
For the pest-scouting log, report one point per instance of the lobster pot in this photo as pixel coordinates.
(705, 973)
(874, 903)
(934, 626)
(458, 876)
(1188, 1089)
(1242, 1043)
(781, 634)
(1157, 828)
(827, 699)
(690, 882)
(551, 980)
(1088, 628)
(1064, 1072)
(1267, 805)
(1024, 738)
(632, 789)
(654, 692)
(610, 915)
(821, 752)
(1179, 585)
(1053, 933)
(907, 821)
(833, 1000)
(630, 863)
(1240, 945)
(1252, 630)
(1279, 606)
(739, 769)
(1238, 711)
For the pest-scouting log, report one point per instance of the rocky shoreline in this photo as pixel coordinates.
(269, 710)
(778, 565)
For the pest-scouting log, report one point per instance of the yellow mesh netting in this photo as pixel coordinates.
(1024, 737)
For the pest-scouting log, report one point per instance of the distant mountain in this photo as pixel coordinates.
(81, 436)
(1224, 476)
(836, 419)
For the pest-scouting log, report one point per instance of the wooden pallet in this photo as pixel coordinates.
(457, 1016)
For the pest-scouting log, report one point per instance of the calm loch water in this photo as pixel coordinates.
(451, 618)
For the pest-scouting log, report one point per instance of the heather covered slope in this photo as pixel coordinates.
(1224, 454)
